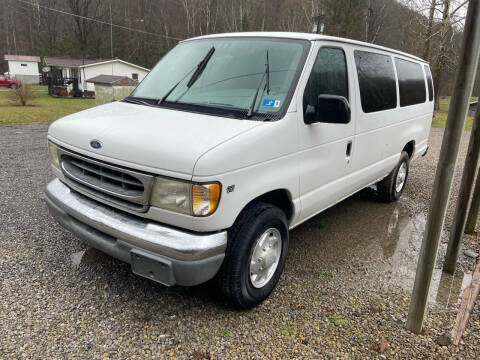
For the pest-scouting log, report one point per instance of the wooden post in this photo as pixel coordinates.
(466, 306)
(446, 165)
(470, 171)
(474, 208)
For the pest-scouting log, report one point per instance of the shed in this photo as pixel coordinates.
(23, 68)
(83, 69)
(112, 87)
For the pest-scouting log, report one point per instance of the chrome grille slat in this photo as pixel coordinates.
(83, 165)
(113, 184)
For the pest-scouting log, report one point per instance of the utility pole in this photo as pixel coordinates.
(470, 171)
(111, 33)
(457, 114)
(474, 208)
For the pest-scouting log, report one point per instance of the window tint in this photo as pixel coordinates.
(429, 82)
(328, 76)
(411, 82)
(376, 77)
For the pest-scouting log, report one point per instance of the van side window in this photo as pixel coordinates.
(429, 82)
(411, 82)
(378, 88)
(328, 76)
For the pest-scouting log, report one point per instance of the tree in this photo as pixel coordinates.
(245, 22)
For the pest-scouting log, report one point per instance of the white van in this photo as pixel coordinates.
(229, 142)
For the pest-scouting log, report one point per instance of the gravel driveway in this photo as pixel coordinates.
(344, 292)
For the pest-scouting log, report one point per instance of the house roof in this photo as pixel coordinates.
(69, 62)
(113, 80)
(21, 58)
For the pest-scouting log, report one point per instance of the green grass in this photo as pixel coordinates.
(43, 109)
(339, 320)
(226, 333)
(288, 330)
(440, 116)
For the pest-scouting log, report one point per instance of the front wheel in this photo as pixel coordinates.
(255, 257)
(391, 188)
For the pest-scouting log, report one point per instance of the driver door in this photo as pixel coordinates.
(326, 148)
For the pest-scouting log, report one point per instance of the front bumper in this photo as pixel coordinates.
(163, 254)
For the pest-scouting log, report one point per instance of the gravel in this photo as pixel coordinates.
(344, 293)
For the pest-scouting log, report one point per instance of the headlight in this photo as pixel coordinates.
(52, 152)
(172, 195)
(184, 197)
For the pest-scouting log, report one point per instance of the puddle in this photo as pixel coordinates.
(89, 257)
(380, 242)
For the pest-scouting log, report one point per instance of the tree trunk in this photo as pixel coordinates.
(428, 30)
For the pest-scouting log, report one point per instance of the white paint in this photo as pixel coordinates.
(22, 68)
(308, 161)
(115, 67)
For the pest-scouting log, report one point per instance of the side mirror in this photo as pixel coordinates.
(331, 109)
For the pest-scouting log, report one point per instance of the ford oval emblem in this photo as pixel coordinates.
(95, 144)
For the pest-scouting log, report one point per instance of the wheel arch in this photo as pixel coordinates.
(409, 148)
(281, 198)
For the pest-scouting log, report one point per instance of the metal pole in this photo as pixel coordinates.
(446, 165)
(474, 207)
(470, 171)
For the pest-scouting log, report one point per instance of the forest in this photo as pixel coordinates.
(142, 31)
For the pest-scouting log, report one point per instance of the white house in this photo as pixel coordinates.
(88, 68)
(23, 68)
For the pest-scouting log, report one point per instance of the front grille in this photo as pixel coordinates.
(104, 178)
(113, 184)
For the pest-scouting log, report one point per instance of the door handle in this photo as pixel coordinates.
(348, 153)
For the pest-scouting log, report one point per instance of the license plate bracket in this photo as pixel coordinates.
(152, 267)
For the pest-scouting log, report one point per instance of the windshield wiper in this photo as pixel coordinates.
(200, 67)
(266, 87)
(133, 100)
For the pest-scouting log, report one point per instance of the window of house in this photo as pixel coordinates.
(23, 64)
(378, 90)
(135, 76)
(328, 76)
(429, 82)
(411, 82)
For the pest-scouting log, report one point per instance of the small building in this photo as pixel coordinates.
(112, 87)
(83, 69)
(23, 68)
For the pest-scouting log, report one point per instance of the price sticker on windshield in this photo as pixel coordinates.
(271, 103)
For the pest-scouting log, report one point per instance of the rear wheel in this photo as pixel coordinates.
(13, 86)
(255, 257)
(391, 188)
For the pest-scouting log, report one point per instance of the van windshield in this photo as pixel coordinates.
(231, 71)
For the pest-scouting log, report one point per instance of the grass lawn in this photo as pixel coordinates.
(43, 109)
(440, 117)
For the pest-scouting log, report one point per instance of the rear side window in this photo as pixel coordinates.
(376, 77)
(411, 82)
(429, 82)
(328, 76)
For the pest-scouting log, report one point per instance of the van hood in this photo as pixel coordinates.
(152, 139)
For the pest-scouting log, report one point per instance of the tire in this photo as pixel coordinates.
(389, 189)
(13, 86)
(236, 279)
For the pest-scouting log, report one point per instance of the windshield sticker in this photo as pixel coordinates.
(271, 103)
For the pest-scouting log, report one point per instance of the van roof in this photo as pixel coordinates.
(306, 36)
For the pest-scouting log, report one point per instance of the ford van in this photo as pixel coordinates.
(228, 143)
